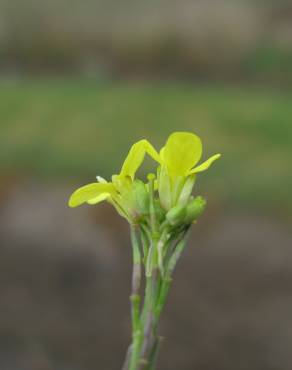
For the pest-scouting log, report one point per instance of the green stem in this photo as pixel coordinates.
(155, 352)
(143, 352)
(148, 319)
(161, 245)
(167, 278)
(175, 257)
(162, 297)
(135, 299)
(142, 337)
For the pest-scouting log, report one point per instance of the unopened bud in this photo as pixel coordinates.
(176, 215)
(194, 209)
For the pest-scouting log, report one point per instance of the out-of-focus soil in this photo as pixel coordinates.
(65, 279)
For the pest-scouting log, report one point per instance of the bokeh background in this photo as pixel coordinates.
(80, 81)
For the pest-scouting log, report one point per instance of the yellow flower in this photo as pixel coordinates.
(127, 195)
(182, 152)
(177, 173)
(176, 176)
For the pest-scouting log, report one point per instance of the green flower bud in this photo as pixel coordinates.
(176, 215)
(194, 209)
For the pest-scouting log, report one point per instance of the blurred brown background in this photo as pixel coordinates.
(79, 83)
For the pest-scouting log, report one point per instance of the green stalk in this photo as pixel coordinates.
(167, 279)
(144, 349)
(135, 300)
(148, 320)
(155, 352)
(136, 280)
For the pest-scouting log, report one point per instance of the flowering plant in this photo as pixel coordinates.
(160, 213)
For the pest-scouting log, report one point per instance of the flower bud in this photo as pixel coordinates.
(176, 215)
(194, 209)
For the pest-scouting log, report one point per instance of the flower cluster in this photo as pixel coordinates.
(176, 175)
(165, 204)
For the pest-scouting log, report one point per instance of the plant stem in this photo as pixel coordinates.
(135, 299)
(143, 352)
(136, 281)
(154, 354)
(127, 359)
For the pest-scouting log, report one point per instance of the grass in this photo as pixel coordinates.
(61, 129)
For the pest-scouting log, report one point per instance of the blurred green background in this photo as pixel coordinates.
(79, 83)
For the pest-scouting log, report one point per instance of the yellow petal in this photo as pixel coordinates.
(100, 198)
(89, 192)
(136, 156)
(150, 150)
(205, 165)
(182, 151)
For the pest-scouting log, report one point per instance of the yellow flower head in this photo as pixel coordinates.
(177, 171)
(162, 219)
(175, 177)
(123, 192)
